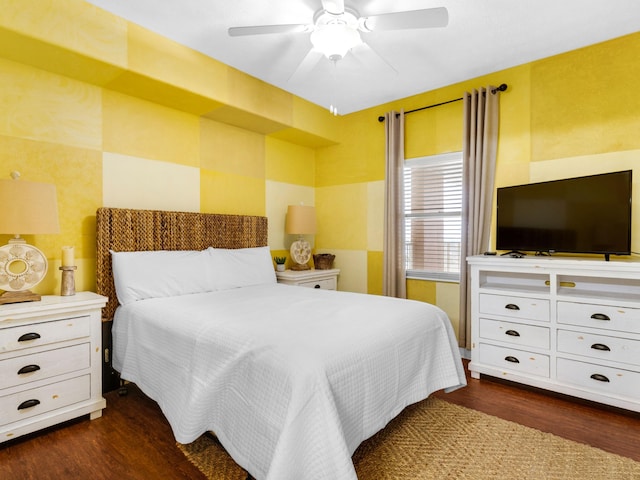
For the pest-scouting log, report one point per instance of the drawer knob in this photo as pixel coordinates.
(600, 316)
(512, 306)
(600, 346)
(28, 369)
(512, 333)
(28, 404)
(599, 377)
(29, 336)
(511, 359)
(316, 286)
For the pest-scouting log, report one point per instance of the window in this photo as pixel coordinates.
(432, 214)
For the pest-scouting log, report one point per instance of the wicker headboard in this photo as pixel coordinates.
(125, 230)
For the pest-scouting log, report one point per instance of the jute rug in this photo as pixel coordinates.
(435, 439)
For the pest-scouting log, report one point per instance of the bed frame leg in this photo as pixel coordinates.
(123, 390)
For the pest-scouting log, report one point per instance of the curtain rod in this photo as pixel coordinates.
(501, 88)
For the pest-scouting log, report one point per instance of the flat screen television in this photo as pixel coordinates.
(589, 214)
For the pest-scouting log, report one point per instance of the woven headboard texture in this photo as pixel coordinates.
(126, 230)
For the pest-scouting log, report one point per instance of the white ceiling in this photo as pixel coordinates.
(483, 36)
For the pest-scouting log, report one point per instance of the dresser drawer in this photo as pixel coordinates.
(31, 402)
(29, 368)
(611, 381)
(26, 336)
(515, 333)
(325, 284)
(513, 359)
(604, 347)
(599, 316)
(515, 307)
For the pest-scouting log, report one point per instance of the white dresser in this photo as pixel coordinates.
(563, 324)
(50, 362)
(324, 279)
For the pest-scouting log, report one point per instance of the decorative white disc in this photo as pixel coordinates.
(22, 266)
(300, 251)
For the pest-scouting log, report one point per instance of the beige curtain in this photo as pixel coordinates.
(393, 271)
(480, 144)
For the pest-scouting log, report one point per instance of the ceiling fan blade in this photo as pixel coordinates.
(368, 56)
(266, 29)
(426, 18)
(335, 7)
(308, 63)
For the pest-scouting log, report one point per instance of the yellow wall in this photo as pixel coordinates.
(115, 115)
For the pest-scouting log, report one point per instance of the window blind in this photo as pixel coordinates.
(432, 210)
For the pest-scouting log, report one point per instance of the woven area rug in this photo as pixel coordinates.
(435, 439)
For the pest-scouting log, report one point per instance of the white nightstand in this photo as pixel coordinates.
(50, 362)
(325, 279)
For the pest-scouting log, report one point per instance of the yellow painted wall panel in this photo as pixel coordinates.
(374, 272)
(586, 101)
(144, 129)
(290, 163)
(342, 216)
(174, 64)
(38, 105)
(256, 96)
(229, 149)
(353, 268)
(232, 194)
(448, 299)
(73, 25)
(422, 290)
(133, 182)
(360, 155)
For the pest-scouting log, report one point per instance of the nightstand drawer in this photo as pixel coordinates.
(26, 336)
(516, 360)
(325, 284)
(613, 381)
(35, 401)
(515, 333)
(614, 349)
(515, 307)
(29, 368)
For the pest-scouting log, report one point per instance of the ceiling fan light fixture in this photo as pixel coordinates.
(335, 39)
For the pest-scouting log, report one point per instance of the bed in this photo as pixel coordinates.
(290, 379)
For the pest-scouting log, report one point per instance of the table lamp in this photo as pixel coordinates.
(28, 208)
(301, 220)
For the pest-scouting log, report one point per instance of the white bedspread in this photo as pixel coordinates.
(290, 379)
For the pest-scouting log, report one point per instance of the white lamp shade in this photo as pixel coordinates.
(28, 208)
(301, 220)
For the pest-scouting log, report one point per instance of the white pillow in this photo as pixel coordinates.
(160, 273)
(241, 267)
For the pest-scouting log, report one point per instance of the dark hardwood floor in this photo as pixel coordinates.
(132, 440)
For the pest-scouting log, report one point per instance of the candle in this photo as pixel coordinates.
(67, 257)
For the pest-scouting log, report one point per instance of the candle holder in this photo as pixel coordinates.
(68, 286)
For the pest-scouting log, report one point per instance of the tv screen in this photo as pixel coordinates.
(576, 215)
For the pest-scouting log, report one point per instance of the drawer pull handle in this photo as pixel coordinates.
(29, 336)
(512, 306)
(316, 286)
(28, 404)
(512, 333)
(599, 377)
(28, 369)
(600, 346)
(600, 316)
(511, 359)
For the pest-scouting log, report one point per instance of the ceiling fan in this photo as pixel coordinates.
(336, 29)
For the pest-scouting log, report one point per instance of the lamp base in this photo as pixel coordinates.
(19, 297)
(299, 266)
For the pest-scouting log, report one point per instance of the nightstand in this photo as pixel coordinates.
(325, 279)
(50, 362)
